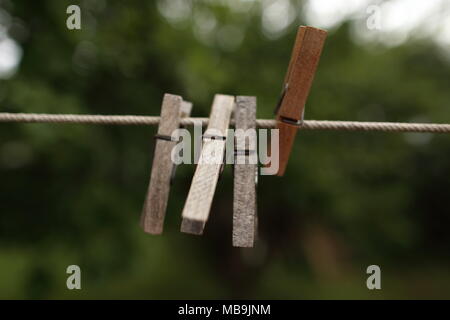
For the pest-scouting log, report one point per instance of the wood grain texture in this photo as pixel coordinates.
(299, 77)
(152, 218)
(245, 174)
(200, 196)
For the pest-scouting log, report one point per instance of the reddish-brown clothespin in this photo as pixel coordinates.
(297, 84)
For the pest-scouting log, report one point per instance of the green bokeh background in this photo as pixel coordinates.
(72, 194)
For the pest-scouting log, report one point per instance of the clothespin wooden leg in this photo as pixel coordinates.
(245, 173)
(200, 196)
(173, 108)
(302, 67)
(185, 112)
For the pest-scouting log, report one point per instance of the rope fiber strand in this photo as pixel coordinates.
(260, 123)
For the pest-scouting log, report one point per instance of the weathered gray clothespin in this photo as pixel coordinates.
(200, 196)
(245, 173)
(185, 112)
(172, 110)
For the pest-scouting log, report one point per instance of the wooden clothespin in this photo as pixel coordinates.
(172, 110)
(185, 112)
(200, 196)
(245, 173)
(297, 84)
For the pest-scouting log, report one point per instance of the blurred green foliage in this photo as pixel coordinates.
(72, 194)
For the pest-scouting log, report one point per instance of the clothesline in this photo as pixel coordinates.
(260, 123)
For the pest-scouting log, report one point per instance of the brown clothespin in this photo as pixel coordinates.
(297, 84)
(245, 173)
(200, 196)
(172, 110)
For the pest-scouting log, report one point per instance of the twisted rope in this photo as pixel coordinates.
(260, 123)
